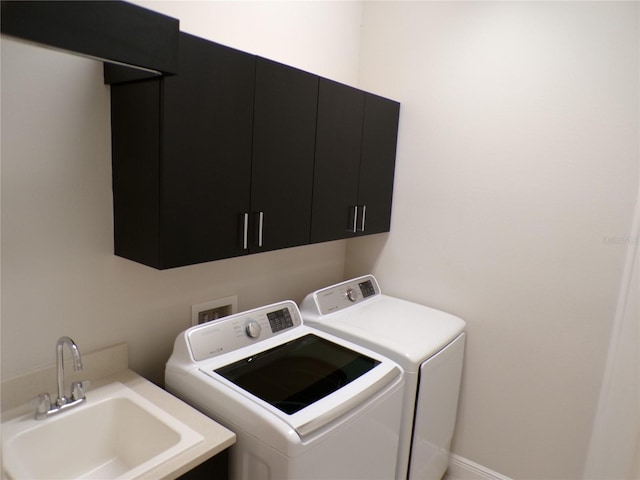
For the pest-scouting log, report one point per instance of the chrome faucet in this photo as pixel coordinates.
(44, 407)
(77, 365)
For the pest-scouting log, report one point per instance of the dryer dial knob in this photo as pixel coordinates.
(252, 328)
(352, 295)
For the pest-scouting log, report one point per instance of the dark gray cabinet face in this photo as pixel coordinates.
(238, 154)
(377, 163)
(355, 161)
(182, 158)
(206, 166)
(286, 101)
(337, 166)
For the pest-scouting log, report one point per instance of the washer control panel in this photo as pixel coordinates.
(242, 329)
(346, 294)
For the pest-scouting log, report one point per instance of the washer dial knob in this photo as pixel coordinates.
(352, 295)
(252, 328)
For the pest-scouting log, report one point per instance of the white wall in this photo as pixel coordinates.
(59, 275)
(517, 164)
(322, 37)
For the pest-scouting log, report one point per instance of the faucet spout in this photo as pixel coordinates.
(77, 365)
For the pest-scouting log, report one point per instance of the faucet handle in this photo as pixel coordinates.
(77, 389)
(43, 404)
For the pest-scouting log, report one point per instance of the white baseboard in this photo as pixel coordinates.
(462, 469)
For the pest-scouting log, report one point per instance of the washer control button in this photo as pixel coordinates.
(252, 328)
(352, 295)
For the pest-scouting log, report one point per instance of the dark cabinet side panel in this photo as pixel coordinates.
(135, 124)
(283, 153)
(377, 165)
(338, 142)
(208, 115)
(216, 468)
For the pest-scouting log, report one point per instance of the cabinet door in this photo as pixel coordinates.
(377, 164)
(285, 109)
(336, 173)
(206, 147)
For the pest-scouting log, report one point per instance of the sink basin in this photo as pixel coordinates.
(116, 433)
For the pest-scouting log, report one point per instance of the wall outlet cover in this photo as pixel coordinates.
(207, 311)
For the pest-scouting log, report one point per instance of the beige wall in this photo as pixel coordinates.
(322, 37)
(517, 170)
(59, 275)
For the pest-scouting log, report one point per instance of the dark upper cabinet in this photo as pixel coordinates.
(182, 158)
(238, 154)
(355, 160)
(286, 102)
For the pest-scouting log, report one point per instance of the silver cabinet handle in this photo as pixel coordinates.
(354, 220)
(363, 217)
(259, 228)
(244, 235)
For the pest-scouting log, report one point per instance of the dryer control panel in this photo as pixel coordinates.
(242, 329)
(345, 294)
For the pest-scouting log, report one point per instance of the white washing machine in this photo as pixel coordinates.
(303, 403)
(427, 343)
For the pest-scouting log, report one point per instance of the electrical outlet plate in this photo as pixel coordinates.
(215, 308)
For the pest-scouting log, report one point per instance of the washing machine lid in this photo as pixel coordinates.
(296, 374)
(337, 377)
(404, 331)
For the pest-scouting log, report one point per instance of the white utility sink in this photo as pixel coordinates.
(116, 433)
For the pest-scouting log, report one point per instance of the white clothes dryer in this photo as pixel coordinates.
(303, 403)
(429, 346)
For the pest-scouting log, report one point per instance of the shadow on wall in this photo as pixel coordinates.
(363, 254)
